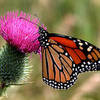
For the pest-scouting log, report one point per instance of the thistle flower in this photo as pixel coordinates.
(20, 31)
(21, 35)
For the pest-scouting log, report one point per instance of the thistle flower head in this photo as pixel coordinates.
(20, 31)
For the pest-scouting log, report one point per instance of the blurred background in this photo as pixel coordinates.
(77, 18)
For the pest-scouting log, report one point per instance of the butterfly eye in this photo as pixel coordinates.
(41, 29)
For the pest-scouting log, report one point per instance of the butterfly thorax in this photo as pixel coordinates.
(43, 38)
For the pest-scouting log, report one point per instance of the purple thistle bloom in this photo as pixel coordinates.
(20, 31)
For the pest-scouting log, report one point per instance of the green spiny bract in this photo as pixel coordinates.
(13, 66)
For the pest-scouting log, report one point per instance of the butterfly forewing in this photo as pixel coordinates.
(85, 55)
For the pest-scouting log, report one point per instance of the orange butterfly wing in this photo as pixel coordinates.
(79, 50)
(64, 58)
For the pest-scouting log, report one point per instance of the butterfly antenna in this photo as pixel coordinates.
(35, 15)
(28, 21)
(38, 19)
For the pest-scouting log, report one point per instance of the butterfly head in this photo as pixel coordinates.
(42, 31)
(43, 38)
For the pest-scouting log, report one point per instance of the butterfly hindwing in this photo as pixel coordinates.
(57, 67)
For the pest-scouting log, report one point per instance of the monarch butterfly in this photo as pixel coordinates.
(64, 57)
